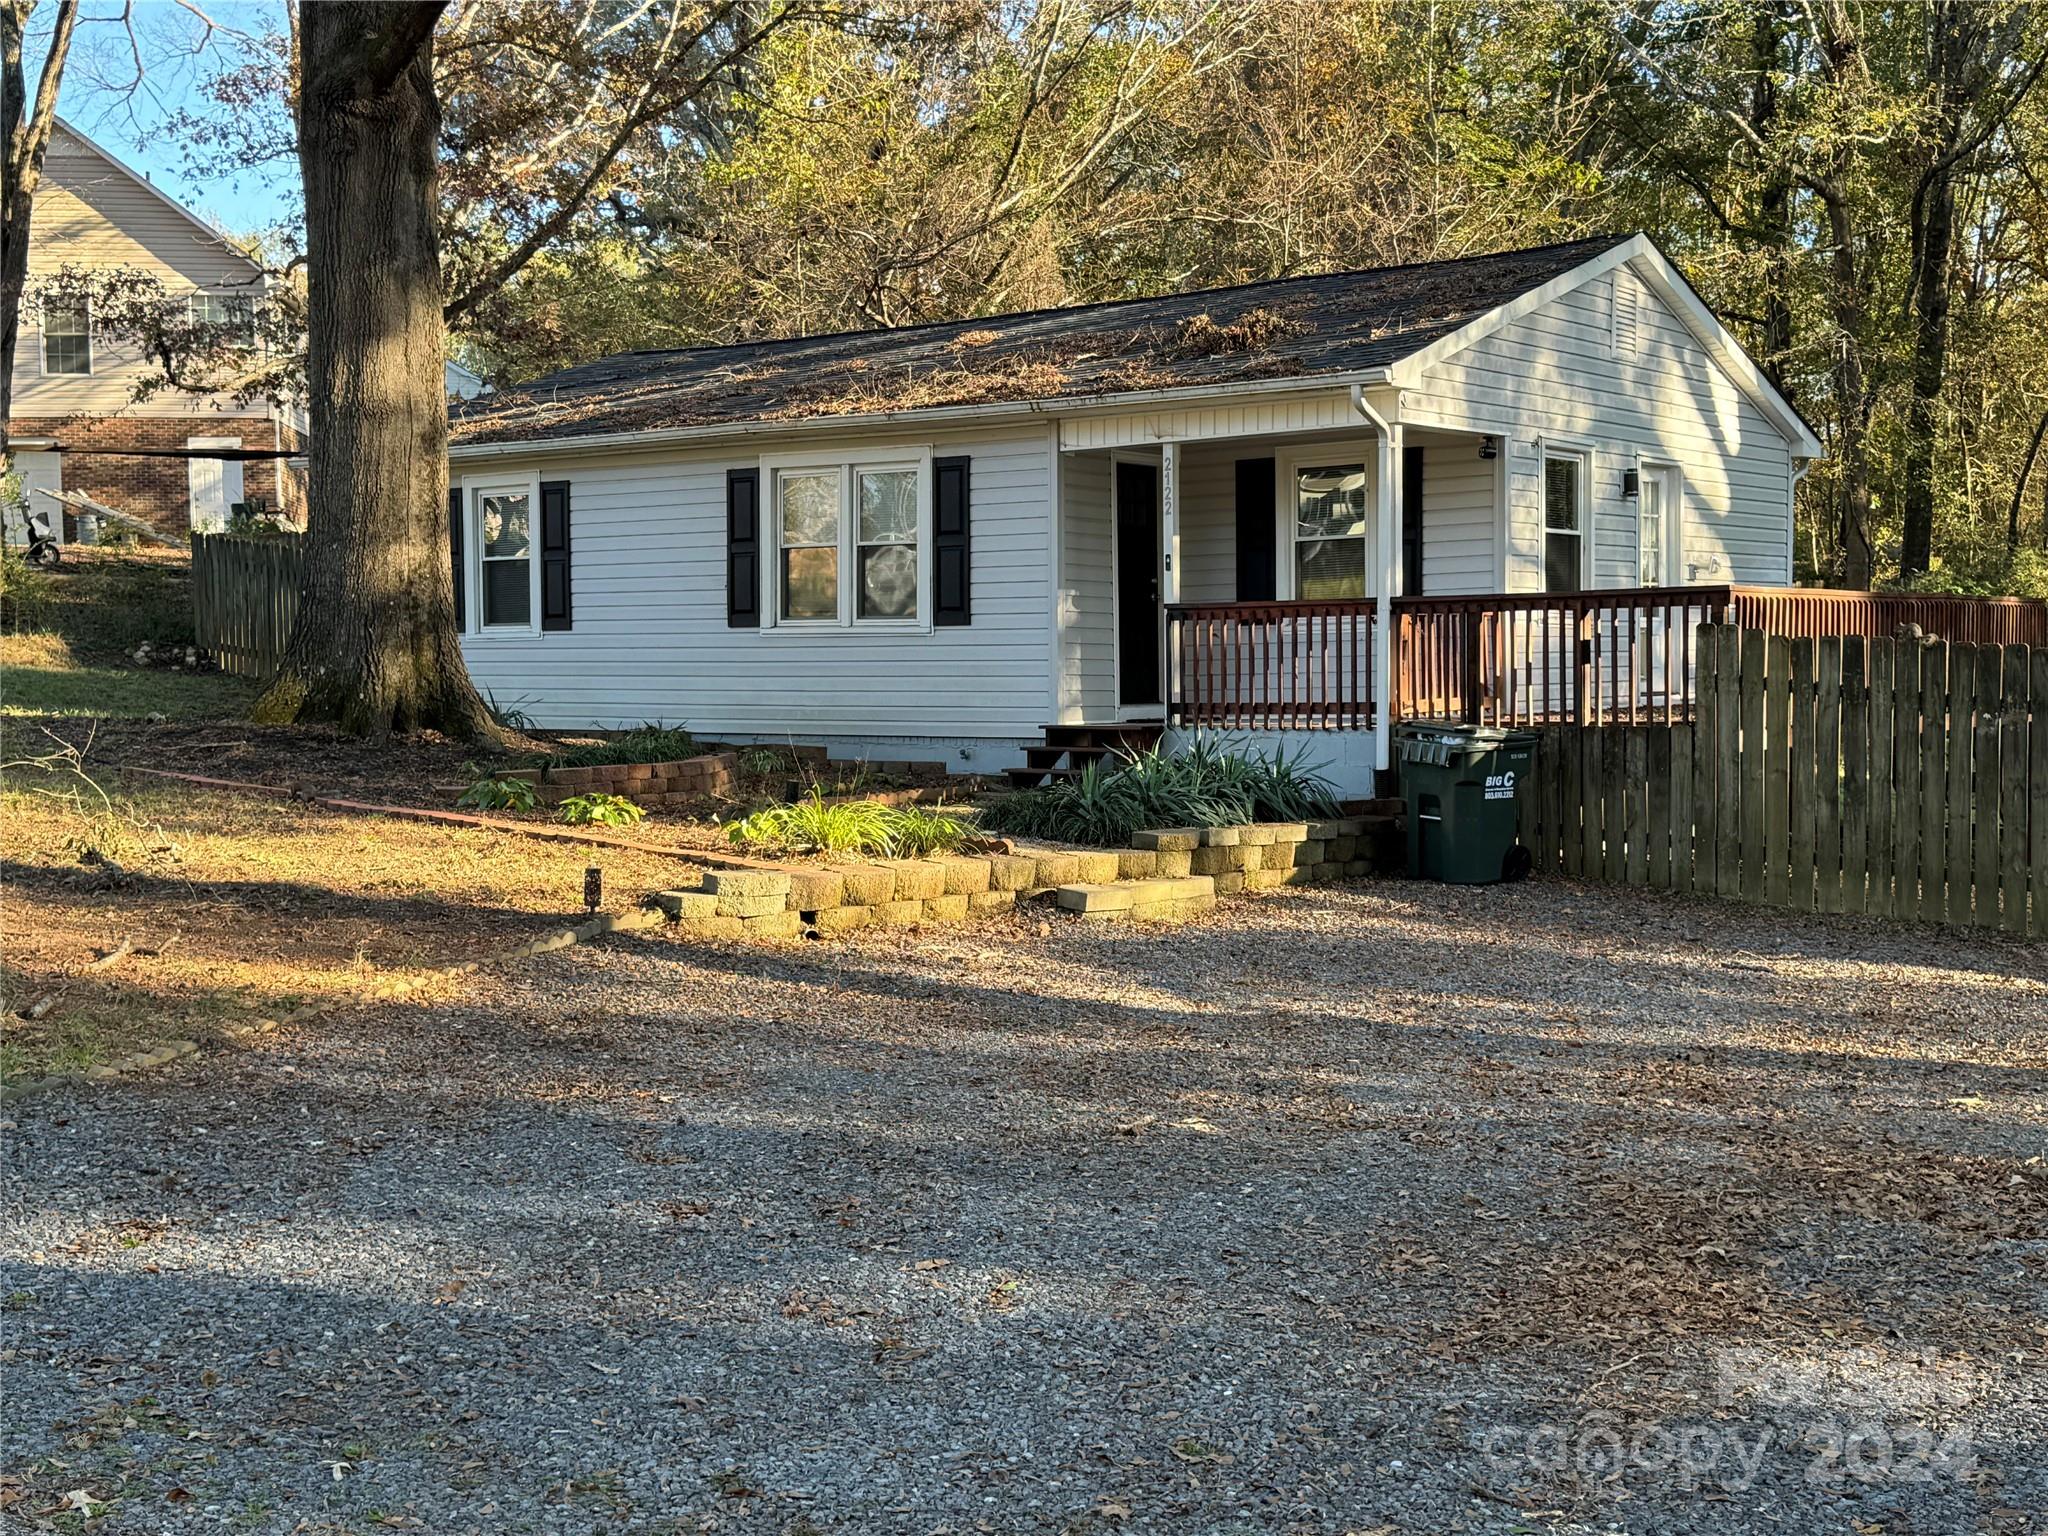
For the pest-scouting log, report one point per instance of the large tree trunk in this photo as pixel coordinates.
(24, 140)
(375, 646)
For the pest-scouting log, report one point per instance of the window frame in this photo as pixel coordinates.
(43, 344)
(1582, 458)
(846, 465)
(1286, 510)
(1667, 474)
(474, 489)
(248, 303)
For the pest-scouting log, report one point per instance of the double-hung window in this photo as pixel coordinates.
(1563, 524)
(503, 521)
(231, 316)
(850, 543)
(1329, 531)
(67, 339)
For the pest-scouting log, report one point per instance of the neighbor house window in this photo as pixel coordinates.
(1563, 535)
(504, 522)
(230, 314)
(67, 339)
(1329, 531)
(848, 539)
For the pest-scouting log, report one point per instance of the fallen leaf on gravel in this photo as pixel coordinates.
(1188, 1448)
(933, 1264)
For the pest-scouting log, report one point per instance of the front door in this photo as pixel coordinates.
(1137, 586)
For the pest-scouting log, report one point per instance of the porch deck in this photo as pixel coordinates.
(1620, 656)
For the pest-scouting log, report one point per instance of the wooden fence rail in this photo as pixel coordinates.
(1904, 778)
(245, 597)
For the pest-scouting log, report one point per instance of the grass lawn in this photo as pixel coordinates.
(38, 676)
(240, 908)
(72, 629)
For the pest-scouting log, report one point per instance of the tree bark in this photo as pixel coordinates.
(24, 141)
(1774, 202)
(375, 647)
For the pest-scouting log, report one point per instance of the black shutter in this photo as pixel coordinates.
(554, 554)
(743, 548)
(953, 579)
(1258, 580)
(455, 549)
(1411, 522)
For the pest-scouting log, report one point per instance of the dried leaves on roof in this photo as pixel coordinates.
(1335, 324)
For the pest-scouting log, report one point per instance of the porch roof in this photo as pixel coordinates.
(1303, 327)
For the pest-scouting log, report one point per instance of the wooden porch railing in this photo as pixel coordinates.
(1270, 666)
(1615, 657)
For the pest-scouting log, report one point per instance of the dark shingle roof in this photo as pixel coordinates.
(1338, 323)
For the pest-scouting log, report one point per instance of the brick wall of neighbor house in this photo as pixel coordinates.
(157, 490)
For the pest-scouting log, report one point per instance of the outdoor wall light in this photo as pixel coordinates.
(1631, 484)
(1489, 447)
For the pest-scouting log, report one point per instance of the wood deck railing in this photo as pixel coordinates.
(1622, 656)
(1271, 666)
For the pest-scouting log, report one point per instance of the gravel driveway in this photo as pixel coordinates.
(1384, 1209)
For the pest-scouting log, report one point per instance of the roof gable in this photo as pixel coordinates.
(161, 231)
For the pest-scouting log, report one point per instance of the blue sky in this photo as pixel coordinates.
(177, 57)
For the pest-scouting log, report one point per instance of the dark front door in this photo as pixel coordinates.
(1137, 584)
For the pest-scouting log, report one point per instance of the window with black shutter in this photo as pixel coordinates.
(455, 549)
(1411, 522)
(743, 548)
(554, 555)
(952, 516)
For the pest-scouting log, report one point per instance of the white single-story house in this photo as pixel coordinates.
(989, 541)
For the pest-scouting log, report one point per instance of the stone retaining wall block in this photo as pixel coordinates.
(946, 909)
(919, 880)
(751, 906)
(898, 914)
(1096, 898)
(814, 890)
(1175, 863)
(966, 876)
(867, 885)
(1137, 863)
(1012, 872)
(1168, 839)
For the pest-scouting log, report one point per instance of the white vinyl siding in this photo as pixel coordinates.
(1208, 520)
(1553, 376)
(1460, 523)
(1087, 602)
(651, 641)
(90, 212)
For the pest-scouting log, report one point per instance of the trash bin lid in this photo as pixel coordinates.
(1460, 735)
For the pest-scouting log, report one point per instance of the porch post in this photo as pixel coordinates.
(1382, 407)
(1169, 572)
(1169, 522)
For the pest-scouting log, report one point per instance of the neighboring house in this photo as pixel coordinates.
(74, 425)
(990, 540)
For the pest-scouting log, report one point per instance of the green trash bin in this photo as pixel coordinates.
(1461, 783)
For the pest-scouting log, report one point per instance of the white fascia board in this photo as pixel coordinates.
(1639, 253)
(931, 416)
(157, 192)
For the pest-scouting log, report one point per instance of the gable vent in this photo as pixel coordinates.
(1627, 301)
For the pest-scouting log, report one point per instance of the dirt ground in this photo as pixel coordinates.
(1390, 1208)
(238, 907)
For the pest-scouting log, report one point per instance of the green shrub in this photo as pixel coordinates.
(1201, 786)
(764, 760)
(26, 599)
(644, 744)
(492, 793)
(600, 810)
(851, 826)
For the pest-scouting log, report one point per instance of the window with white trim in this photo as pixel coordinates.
(1563, 523)
(67, 339)
(503, 522)
(232, 315)
(1651, 565)
(849, 543)
(1329, 531)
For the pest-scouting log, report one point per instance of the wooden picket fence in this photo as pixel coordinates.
(1905, 778)
(245, 597)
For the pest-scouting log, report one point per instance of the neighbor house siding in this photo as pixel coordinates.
(91, 213)
(1557, 376)
(650, 641)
